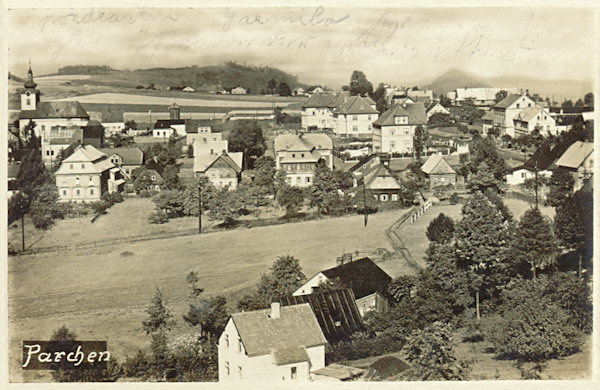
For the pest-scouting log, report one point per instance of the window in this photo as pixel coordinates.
(227, 368)
(240, 372)
(354, 117)
(394, 197)
(523, 175)
(240, 346)
(43, 127)
(82, 166)
(369, 117)
(77, 180)
(354, 128)
(91, 191)
(28, 101)
(293, 372)
(65, 192)
(212, 151)
(308, 179)
(70, 166)
(226, 340)
(76, 192)
(91, 179)
(384, 197)
(314, 113)
(47, 152)
(528, 104)
(518, 105)
(52, 152)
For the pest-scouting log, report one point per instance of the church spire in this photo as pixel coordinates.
(29, 83)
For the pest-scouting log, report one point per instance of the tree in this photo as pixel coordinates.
(440, 229)
(264, 173)
(116, 140)
(324, 193)
(247, 137)
(588, 99)
(283, 89)
(573, 224)
(64, 340)
(500, 95)
(271, 86)
(284, 277)
(419, 141)
(291, 199)
(482, 242)
(579, 103)
(431, 354)
(157, 324)
(469, 112)
(536, 246)
(142, 179)
(440, 119)
(130, 124)
(45, 209)
(484, 150)
(561, 186)
(158, 156)
(209, 313)
(445, 101)
(364, 201)
(359, 85)
(567, 104)
(381, 103)
(171, 202)
(400, 288)
(170, 177)
(483, 179)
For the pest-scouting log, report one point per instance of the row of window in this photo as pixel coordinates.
(72, 166)
(297, 180)
(78, 192)
(226, 342)
(228, 370)
(293, 371)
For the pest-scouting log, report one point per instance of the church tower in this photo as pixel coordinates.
(174, 112)
(30, 96)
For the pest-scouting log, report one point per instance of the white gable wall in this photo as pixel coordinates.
(307, 287)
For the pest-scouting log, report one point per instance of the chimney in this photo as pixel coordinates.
(275, 310)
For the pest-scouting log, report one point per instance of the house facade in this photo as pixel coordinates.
(276, 344)
(222, 169)
(238, 91)
(507, 109)
(127, 159)
(533, 118)
(85, 175)
(355, 118)
(393, 132)
(378, 179)
(439, 172)
(317, 110)
(436, 108)
(579, 161)
(298, 154)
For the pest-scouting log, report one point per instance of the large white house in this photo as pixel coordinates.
(317, 110)
(393, 132)
(87, 174)
(506, 111)
(579, 161)
(531, 118)
(355, 117)
(277, 344)
(298, 154)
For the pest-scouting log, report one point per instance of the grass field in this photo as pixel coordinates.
(101, 294)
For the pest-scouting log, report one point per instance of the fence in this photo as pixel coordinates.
(420, 211)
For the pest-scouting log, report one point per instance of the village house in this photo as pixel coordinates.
(420, 95)
(366, 279)
(507, 109)
(436, 108)
(533, 118)
(317, 110)
(238, 91)
(188, 89)
(355, 118)
(564, 123)
(487, 122)
(376, 176)
(45, 115)
(85, 175)
(293, 109)
(298, 154)
(539, 162)
(223, 169)
(439, 172)
(127, 159)
(277, 344)
(579, 161)
(394, 130)
(483, 98)
(298, 91)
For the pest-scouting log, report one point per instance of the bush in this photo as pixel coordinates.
(146, 193)
(454, 198)
(112, 198)
(136, 366)
(534, 330)
(158, 217)
(100, 207)
(361, 346)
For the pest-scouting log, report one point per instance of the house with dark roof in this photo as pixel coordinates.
(298, 154)
(375, 175)
(564, 122)
(539, 162)
(439, 172)
(336, 312)
(394, 130)
(127, 159)
(366, 279)
(507, 109)
(283, 343)
(317, 110)
(579, 161)
(355, 118)
(435, 108)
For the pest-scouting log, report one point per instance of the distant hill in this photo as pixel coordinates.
(84, 69)
(13, 77)
(560, 89)
(230, 75)
(454, 79)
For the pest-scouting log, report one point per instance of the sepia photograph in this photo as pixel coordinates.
(257, 193)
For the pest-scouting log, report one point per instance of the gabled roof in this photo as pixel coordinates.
(415, 112)
(509, 100)
(302, 142)
(356, 105)
(380, 177)
(70, 109)
(437, 164)
(167, 123)
(567, 119)
(130, 156)
(529, 113)
(320, 100)
(85, 154)
(575, 155)
(488, 116)
(203, 163)
(296, 327)
(336, 312)
(432, 105)
(541, 160)
(363, 277)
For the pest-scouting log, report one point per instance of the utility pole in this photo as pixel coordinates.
(365, 201)
(536, 185)
(23, 230)
(199, 208)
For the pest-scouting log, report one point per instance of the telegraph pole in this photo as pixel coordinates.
(536, 186)
(199, 208)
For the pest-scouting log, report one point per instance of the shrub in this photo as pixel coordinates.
(146, 193)
(100, 207)
(158, 217)
(534, 330)
(136, 366)
(112, 198)
(361, 346)
(454, 198)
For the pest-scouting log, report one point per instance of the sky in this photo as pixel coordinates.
(320, 45)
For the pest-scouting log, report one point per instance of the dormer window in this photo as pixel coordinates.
(518, 105)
